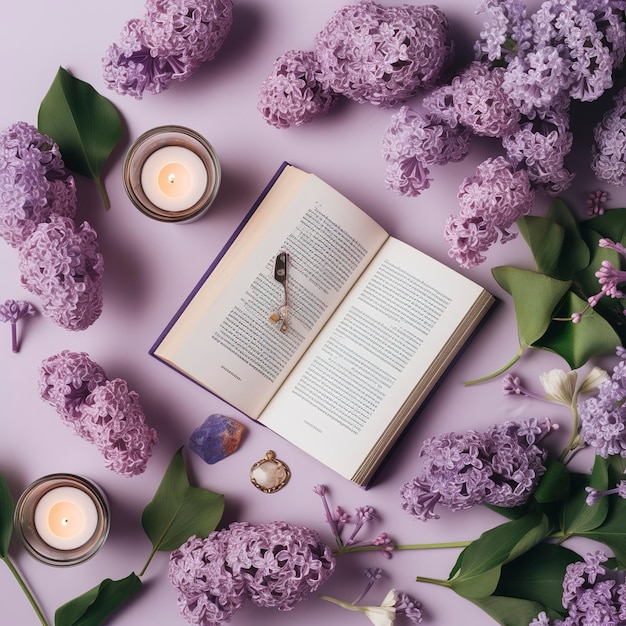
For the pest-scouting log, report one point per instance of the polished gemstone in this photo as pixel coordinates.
(218, 437)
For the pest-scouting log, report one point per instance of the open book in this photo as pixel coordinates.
(318, 324)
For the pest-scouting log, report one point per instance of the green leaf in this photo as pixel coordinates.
(576, 515)
(545, 240)
(510, 611)
(537, 575)
(179, 511)
(96, 605)
(477, 570)
(575, 252)
(611, 225)
(577, 343)
(6, 518)
(613, 531)
(554, 484)
(535, 297)
(85, 125)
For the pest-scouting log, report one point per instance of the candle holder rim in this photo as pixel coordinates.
(142, 202)
(55, 556)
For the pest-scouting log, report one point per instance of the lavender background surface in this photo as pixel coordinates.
(150, 267)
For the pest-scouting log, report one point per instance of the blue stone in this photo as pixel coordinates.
(218, 437)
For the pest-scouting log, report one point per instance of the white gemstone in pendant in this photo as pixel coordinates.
(269, 474)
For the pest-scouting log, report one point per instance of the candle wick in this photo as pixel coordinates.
(171, 178)
(65, 521)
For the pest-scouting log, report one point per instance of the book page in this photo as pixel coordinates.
(225, 339)
(371, 356)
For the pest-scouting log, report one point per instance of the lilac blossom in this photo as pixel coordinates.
(609, 278)
(340, 520)
(383, 55)
(66, 380)
(293, 93)
(594, 495)
(169, 42)
(115, 423)
(592, 594)
(570, 49)
(501, 467)
(274, 565)
(539, 143)
(608, 152)
(280, 563)
(61, 263)
(11, 311)
(507, 32)
(208, 592)
(413, 142)
(481, 102)
(101, 411)
(34, 183)
(603, 417)
(491, 201)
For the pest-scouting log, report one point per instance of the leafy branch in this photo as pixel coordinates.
(515, 570)
(566, 256)
(176, 512)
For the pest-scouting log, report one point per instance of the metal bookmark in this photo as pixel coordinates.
(281, 316)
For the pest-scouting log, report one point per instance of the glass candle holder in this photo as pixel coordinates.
(172, 174)
(62, 519)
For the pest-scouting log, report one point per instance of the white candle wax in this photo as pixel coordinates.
(66, 518)
(174, 178)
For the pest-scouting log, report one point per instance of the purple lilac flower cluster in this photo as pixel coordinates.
(518, 89)
(59, 261)
(608, 153)
(274, 565)
(101, 411)
(501, 467)
(366, 52)
(34, 183)
(592, 594)
(603, 417)
(170, 42)
(491, 201)
(339, 521)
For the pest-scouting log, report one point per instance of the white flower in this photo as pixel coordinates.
(559, 386)
(382, 615)
(596, 376)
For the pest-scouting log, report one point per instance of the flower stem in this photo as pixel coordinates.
(434, 581)
(26, 590)
(145, 567)
(103, 193)
(575, 442)
(406, 546)
(497, 372)
(14, 345)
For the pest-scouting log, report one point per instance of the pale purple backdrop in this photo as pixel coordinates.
(150, 267)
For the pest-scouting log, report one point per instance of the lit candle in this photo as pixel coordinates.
(172, 174)
(62, 519)
(66, 518)
(174, 178)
